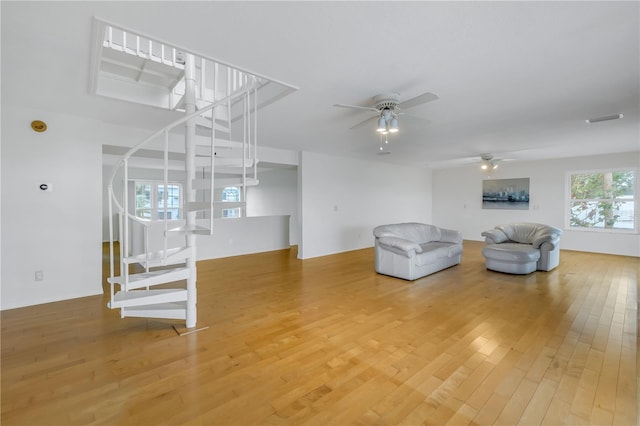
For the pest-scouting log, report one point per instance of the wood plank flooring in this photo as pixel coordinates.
(327, 341)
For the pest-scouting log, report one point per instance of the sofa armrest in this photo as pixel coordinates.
(495, 236)
(450, 236)
(401, 244)
(546, 243)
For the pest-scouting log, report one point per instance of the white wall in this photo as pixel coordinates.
(58, 232)
(457, 200)
(341, 200)
(231, 237)
(277, 194)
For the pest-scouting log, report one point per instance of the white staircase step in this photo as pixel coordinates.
(124, 299)
(204, 150)
(179, 106)
(205, 124)
(192, 229)
(218, 143)
(233, 171)
(222, 182)
(195, 206)
(175, 310)
(151, 278)
(171, 256)
(205, 161)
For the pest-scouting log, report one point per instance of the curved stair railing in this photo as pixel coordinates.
(136, 296)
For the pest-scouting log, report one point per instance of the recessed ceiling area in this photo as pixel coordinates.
(514, 79)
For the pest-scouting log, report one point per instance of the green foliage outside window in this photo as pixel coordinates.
(603, 200)
(143, 200)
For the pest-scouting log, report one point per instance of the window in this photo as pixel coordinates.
(150, 197)
(603, 199)
(231, 194)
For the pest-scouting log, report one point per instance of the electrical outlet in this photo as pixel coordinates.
(39, 275)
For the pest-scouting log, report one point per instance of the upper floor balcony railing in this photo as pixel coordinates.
(135, 67)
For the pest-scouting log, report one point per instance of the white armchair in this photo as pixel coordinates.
(521, 248)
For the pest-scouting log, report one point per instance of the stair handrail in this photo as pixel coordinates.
(125, 215)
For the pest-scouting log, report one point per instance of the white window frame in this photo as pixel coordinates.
(234, 212)
(155, 209)
(568, 201)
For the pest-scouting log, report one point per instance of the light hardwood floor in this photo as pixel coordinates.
(326, 341)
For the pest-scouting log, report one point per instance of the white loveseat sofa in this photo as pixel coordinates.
(521, 248)
(413, 250)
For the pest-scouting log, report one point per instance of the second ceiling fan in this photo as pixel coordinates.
(388, 107)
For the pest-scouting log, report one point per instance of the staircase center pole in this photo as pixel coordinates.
(190, 193)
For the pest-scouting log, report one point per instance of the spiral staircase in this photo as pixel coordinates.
(213, 144)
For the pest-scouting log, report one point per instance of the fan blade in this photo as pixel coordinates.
(362, 123)
(355, 106)
(413, 118)
(418, 100)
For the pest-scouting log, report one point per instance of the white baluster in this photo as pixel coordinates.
(124, 248)
(202, 79)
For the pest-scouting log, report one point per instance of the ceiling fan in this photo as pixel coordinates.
(488, 162)
(388, 107)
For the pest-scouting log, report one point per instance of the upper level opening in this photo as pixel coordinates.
(134, 67)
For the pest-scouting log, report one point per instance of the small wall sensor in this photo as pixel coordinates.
(47, 187)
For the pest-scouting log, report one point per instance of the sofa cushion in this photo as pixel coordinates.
(417, 232)
(511, 252)
(433, 251)
(529, 233)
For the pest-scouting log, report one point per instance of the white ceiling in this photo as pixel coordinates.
(516, 79)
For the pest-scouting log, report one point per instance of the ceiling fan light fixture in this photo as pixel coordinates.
(488, 165)
(393, 127)
(382, 125)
